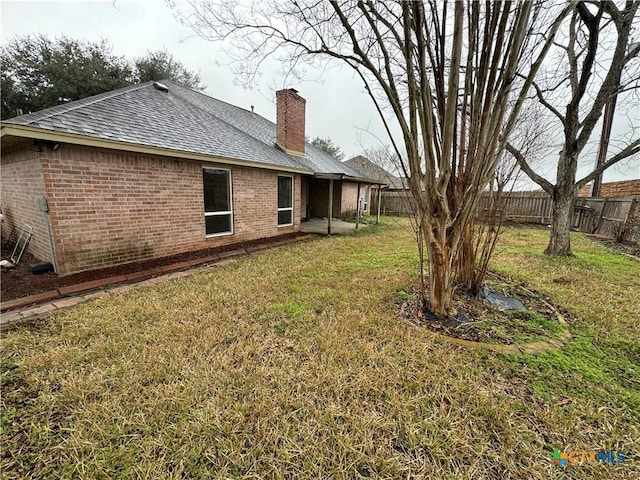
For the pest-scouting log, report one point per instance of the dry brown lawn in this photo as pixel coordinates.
(293, 363)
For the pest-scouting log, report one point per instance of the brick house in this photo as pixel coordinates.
(155, 169)
(623, 188)
(390, 183)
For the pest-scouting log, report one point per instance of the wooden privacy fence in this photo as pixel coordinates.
(613, 217)
(525, 208)
(608, 216)
(400, 203)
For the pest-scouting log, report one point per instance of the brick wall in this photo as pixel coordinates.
(625, 188)
(350, 198)
(255, 204)
(109, 207)
(22, 184)
(290, 120)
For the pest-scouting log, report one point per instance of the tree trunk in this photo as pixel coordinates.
(466, 259)
(441, 275)
(560, 242)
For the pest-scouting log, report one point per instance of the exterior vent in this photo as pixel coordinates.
(160, 86)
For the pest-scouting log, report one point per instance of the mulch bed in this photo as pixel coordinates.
(485, 323)
(20, 282)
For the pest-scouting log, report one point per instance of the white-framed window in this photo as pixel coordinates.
(285, 200)
(218, 207)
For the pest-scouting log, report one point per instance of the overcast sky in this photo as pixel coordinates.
(337, 106)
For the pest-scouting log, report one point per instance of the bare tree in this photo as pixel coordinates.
(599, 59)
(446, 73)
(386, 158)
(482, 238)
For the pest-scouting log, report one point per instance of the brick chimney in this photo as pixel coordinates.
(290, 112)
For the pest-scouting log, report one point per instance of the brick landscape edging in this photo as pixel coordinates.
(70, 294)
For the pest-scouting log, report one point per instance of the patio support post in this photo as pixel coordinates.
(379, 198)
(330, 206)
(358, 207)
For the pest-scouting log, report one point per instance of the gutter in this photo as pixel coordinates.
(344, 176)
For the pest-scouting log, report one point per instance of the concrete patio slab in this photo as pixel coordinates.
(319, 225)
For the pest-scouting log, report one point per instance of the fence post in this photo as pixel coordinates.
(630, 213)
(599, 224)
(572, 214)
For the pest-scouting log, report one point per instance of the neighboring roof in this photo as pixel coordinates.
(370, 170)
(181, 120)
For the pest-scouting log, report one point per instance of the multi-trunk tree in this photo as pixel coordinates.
(448, 75)
(599, 61)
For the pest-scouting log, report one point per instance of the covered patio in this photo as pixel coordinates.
(321, 226)
(329, 198)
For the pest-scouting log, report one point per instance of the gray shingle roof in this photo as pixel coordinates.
(182, 120)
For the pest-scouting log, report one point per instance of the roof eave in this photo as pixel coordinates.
(27, 131)
(364, 180)
(350, 178)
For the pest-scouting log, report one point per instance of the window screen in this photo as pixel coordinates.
(217, 201)
(285, 200)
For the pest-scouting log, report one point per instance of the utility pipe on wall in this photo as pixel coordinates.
(330, 206)
(358, 207)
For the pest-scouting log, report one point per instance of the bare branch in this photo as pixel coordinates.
(630, 150)
(524, 165)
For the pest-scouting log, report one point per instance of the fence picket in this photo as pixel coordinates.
(603, 216)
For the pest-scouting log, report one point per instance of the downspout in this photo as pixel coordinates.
(43, 206)
(379, 199)
(358, 206)
(51, 250)
(330, 206)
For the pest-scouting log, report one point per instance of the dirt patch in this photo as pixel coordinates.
(630, 248)
(20, 282)
(479, 322)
